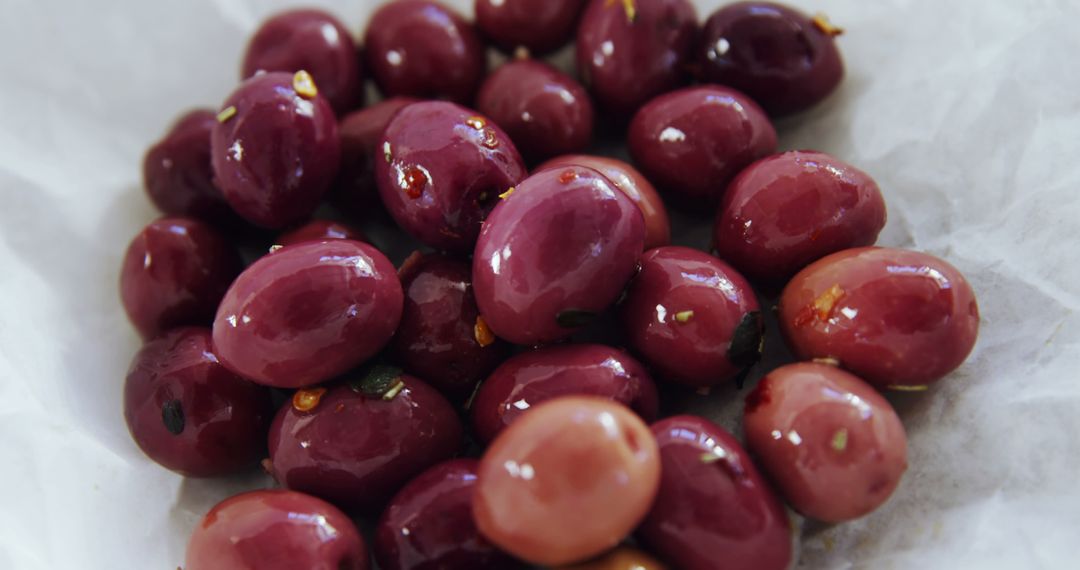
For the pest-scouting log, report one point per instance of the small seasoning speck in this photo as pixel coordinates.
(226, 114)
(839, 440)
(902, 388)
(415, 181)
(476, 122)
(684, 316)
(483, 334)
(507, 194)
(827, 360)
(304, 85)
(821, 308)
(394, 390)
(521, 52)
(567, 176)
(389, 156)
(628, 6)
(275, 247)
(307, 400)
(172, 415)
(491, 140)
(821, 22)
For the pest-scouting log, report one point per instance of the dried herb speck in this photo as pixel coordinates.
(172, 415)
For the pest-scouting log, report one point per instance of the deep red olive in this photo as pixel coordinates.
(275, 148)
(545, 112)
(714, 510)
(531, 378)
(190, 414)
(361, 132)
(424, 49)
(317, 230)
(308, 312)
(174, 274)
(442, 168)
(313, 41)
(276, 530)
(830, 442)
(692, 142)
(540, 26)
(442, 338)
(896, 318)
(429, 525)
(779, 56)
(783, 212)
(177, 172)
(636, 187)
(358, 443)
(555, 253)
(629, 51)
(692, 317)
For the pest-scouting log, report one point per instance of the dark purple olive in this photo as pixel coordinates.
(190, 414)
(424, 49)
(783, 212)
(276, 530)
(320, 230)
(313, 41)
(275, 148)
(177, 172)
(540, 26)
(442, 338)
(443, 166)
(531, 378)
(545, 112)
(308, 312)
(361, 132)
(630, 51)
(554, 254)
(358, 443)
(692, 317)
(692, 142)
(429, 525)
(780, 57)
(896, 318)
(174, 274)
(714, 510)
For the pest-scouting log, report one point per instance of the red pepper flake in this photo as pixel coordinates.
(477, 122)
(483, 334)
(307, 400)
(339, 408)
(415, 181)
(758, 397)
(821, 308)
(491, 140)
(821, 22)
(567, 176)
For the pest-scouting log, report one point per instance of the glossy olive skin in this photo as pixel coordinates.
(624, 60)
(308, 312)
(783, 212)
(276, 530)
(313, 41)
(692, 142)
(545, 112)
(356, 450)
(424, 49)
(775, 54)
(714, 510)
(190, 414)
(276, 156)
(622, 558)
(540, 26)
(531, 378)
(174, 273)
(319, 230)
(442, 166)
(177, 173)
(554, 253)
(429, 525)
(830, 442)
(895, 318)
(692, 317)
(361, 132)
(632, 183)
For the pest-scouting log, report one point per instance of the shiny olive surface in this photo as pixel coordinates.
(361, 133)
(896, 318)
(540, 26)
(320, 230)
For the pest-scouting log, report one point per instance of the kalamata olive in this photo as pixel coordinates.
(442, 338)
(714, 511)
(358, 443)
(830, 442)
(308, 312)
(692, 142)
(174, 274)
(190, 414)
(896, 318)
(531, 378)
(545, 112)
(177, 173)
(780, 57)
(424, 49)
(540, 26)
(783, 212)
(276, 530)
(567, 481)
(692, 317)
(429, 525)
(275, 148)
(317, 230)
(630, 51)
(622, 558)
(361, 132)
(554, 253)
(444, 165)
(313, 41)
(632, 183)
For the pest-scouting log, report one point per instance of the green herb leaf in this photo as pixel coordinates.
(573, 318)
(378, 380)
(172, 415)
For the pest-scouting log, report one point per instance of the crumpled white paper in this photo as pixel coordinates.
(967, 113)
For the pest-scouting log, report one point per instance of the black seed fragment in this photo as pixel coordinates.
(378, 380)
(746, 343)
